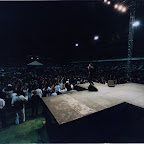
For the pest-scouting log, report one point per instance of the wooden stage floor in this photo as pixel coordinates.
(69, 107)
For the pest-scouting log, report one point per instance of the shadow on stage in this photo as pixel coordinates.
(120, 123)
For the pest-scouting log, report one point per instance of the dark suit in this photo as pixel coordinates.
(35, 100)
(91, 74)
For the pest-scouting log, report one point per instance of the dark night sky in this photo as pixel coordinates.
(52, 28)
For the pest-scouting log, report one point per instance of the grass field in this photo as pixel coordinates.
(31, 131)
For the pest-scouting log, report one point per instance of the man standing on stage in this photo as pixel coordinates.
(91, 73)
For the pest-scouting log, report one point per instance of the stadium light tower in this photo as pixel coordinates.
(132, 24)
(131, 37)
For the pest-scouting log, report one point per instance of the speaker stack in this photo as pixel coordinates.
(111, 83)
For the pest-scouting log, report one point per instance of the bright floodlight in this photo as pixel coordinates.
(96, 37)
(105, 1)
(108, 2)
(124, 9)
(136, 24)
(116, 6)
(120, 7)
(31, 57)
(76, 44)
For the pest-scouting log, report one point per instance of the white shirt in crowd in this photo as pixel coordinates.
(49, 88)
(14, 94)
(18, 98)
(72, 87)
(63, 90)
(54, 94)
(2, 103)
(39, 92)
(78, 82)
(106, 83)
(61, 86)
(57, 87)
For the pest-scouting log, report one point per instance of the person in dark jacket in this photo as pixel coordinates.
(35, 100)
(90, 73)
(18, 101)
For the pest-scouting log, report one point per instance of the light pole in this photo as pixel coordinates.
(132, 25)
(130, 38)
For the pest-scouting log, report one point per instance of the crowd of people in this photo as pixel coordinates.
(117, 71)
(19, 86)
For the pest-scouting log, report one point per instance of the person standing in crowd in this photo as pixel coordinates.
(39, 92)
(63, 89)
(14, 92)
(29, 93)
(2, 112)
(35, 100)
(46, 92)
(19, 106)
(68, 86)
(9, 91)
(57, 88)
(90, 73)
(53, 92)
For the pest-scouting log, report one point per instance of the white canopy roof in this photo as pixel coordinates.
(35, 63)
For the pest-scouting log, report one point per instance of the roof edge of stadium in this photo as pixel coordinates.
(109, 60)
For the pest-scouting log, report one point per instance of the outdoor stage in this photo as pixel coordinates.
(69, 107)
(113, 114)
